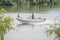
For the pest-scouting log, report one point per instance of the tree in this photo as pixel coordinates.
(5, 25)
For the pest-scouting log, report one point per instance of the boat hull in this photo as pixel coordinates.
(37, 21)
(31, 21)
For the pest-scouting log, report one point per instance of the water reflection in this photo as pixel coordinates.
(25, 24)
(32, 8)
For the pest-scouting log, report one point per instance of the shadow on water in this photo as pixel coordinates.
(25, 24)
(22, 24)
(28, 25)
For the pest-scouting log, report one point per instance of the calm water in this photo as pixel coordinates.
(31, 32)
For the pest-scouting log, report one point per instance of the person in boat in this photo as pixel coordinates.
(43, 19)
(18, 16)
(32, 16)
(39, 17)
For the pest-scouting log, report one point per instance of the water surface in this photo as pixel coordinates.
(31, 32)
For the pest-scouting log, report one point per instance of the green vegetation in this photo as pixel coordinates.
(25, 2)
(55, 29)
(28, 5)
(5, 24)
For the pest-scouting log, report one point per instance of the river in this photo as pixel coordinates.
(31, 32)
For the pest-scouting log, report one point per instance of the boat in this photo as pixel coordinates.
(34, 20)
(31, 20)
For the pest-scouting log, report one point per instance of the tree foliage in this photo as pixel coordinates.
(5, 25)
(54, 29)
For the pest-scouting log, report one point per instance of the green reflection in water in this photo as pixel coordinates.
(33, 8)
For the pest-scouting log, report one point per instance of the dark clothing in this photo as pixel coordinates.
(18, 16)
(32, 16)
